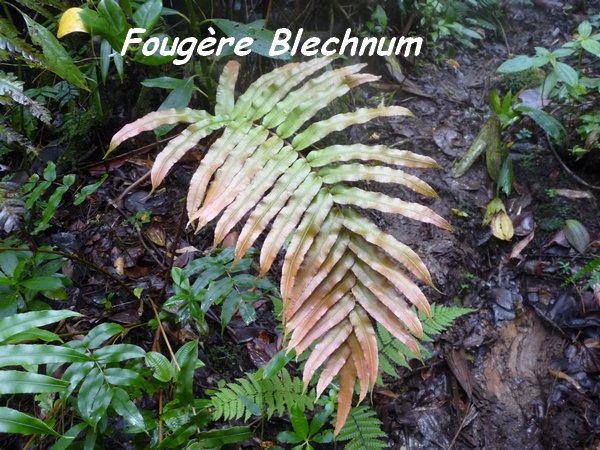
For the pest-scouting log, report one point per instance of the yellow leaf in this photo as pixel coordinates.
(70, 22)
(502, 226)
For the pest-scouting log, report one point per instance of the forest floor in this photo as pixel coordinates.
(521, 372)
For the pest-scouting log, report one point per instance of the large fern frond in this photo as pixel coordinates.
(340, 270)
(259, 396)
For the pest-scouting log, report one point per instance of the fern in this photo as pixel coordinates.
(441, 319)
(392, 352)
(10, 136)
(258, 396)
(593, 267)
(12, 207)
(11, 88)
(336, 277)
(363, 430)
(12, 44)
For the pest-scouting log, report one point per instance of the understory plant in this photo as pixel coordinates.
(340, 269)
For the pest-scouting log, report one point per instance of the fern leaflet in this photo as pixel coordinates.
(257, 396)
(393, 352)
(363, 430)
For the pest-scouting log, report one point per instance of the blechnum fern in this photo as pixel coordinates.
(267, 172)
(256, 395)
(363, 430)
(393, 352)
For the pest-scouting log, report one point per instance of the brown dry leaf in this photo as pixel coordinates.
(156, 234)
(119, 265)
(520, 246)
(574, 194)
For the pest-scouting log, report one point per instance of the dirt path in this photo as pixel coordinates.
(518, 373)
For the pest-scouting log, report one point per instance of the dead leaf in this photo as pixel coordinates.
(574, 194)
(520, 246)
(120, 265)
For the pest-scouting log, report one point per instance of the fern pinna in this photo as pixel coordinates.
(340, 270)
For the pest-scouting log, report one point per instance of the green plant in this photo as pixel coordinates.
(259, 162)
(35, 190)
(211, 280)
(258, 395)
(305, 433)
(363, 430)
(26, 276)
(23, 327)
(393, 352)
(449, 21)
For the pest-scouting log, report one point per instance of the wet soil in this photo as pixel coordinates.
(521, 372)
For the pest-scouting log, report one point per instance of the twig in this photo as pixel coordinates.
(568, 170)
(132, 186)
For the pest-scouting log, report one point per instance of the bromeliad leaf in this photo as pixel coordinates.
(266, 173)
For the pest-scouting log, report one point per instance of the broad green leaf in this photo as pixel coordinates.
(584, 29)
(164, 82)
(99, 334)
(148, 14)
(123, 406)
(566, 73)
(225, 436)
(123, 377)
(56, 57)
(160, 365)
(187, 358)
(118, 352)
(16, 382)
(548, 123)
(42, 283)
(18, 323)
(577, 235)
(256, 30)
(67, 439)
(16, 422)
(21, 354)
(94, 397)
(517, 64)
(592, 46)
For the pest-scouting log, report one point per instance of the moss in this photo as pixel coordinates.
(516, 82)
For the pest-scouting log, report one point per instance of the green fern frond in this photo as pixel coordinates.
(591, 267)
(394, 353)
(12, 89)
(10, 136)
(12, 207)
(363, 430)
(256, 396)
(11, 43)
(441, 319)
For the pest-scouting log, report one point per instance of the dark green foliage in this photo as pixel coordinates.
(257, 396)
(212, 280)
(363, 430)
(392, 352)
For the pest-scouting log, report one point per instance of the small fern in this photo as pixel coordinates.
(11, 90)
(441, 319)
(15, 47)
(258, 396)
(393, 353)
(12, 207)
(363, 430)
